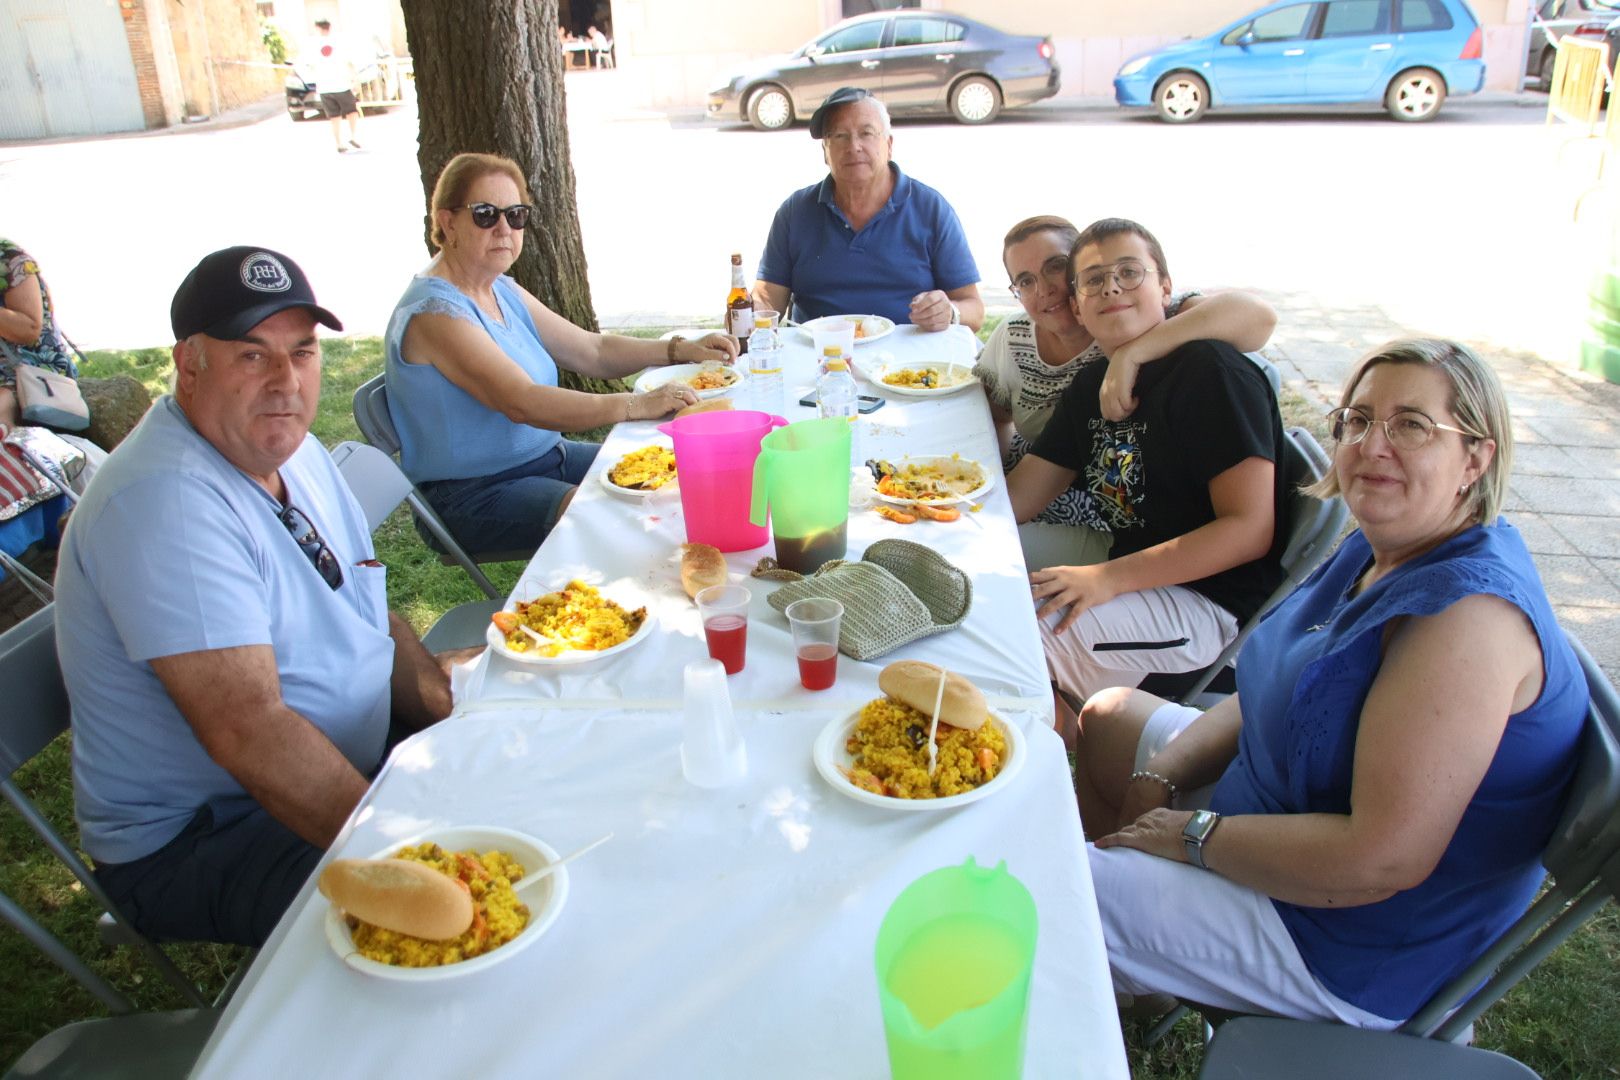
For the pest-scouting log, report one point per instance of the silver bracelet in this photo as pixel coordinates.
(1169, 785)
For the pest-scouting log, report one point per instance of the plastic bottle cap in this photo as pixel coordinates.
(762, 324)
(832, 351)
(837, 364)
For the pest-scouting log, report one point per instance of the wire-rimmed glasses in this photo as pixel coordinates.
(1407, 429)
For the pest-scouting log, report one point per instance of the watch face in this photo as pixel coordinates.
(1200, 825)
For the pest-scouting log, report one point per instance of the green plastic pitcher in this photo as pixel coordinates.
(802, 477)
(954, 956)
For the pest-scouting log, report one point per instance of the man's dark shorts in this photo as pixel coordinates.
(339, 104)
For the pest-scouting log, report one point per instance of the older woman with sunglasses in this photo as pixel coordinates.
(1396, 756)
(472, 362)
(1030, 359)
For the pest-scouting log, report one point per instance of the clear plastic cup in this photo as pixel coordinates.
(815, 622)
(839, 332)
(712, 751)
(724, 610)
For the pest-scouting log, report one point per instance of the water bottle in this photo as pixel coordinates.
(765, 365)
(836, 394)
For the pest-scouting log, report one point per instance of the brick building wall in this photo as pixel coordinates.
(196, 59)
(138, 29)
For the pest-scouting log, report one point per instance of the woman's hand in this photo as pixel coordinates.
(1074, 587)
(1157, 832)
(710, 347)
(1117, 397)
(659, 402)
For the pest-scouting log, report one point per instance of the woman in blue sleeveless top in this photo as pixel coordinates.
(1396, 757)
(472, 362)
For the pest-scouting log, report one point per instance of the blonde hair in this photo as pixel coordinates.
(1477, 401)
(458, 177)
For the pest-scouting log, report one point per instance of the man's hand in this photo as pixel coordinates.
(451, 657)
(931, 310)
(1075, 587)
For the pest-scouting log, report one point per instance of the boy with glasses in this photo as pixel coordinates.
(223, 626)
(1189, 485)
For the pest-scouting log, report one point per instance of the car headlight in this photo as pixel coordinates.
(1134, 66)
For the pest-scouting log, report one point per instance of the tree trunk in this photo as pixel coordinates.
(489, 78)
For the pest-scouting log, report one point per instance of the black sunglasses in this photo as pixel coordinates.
(308, 539)
(485, 214)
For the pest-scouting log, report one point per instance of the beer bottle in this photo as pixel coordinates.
(739, 306)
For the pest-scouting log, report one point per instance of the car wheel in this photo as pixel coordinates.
(976, 100)
(1181, 98)
(770, 109)
(1415, 96)
(1544, 73)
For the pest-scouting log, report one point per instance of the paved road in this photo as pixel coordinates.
(1350, 208)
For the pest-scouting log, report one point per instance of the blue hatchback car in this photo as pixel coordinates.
(1409, 54)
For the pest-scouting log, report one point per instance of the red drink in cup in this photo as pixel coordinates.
(818, 666)
(724, 610)
(815, 622)
(728, 641)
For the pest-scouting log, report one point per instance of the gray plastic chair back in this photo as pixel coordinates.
(136, 1046)
(37, 711)
(1268, 1048)
(379, 486)
(1313, 531)
(1583, 858)
(372, 417)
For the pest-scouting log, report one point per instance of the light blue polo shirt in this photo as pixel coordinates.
(174, 550)
(914, 244)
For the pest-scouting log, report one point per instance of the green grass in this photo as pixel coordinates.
(1561, 1021)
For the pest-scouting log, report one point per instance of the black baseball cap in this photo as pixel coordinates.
(844, 95)
(232, 291)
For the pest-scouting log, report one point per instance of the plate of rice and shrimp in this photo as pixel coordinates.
(574, 624)
(879, 753)
(705, 380)
(487, 861)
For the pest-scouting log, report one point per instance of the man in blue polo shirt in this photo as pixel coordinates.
(867, 240)
(223, 628)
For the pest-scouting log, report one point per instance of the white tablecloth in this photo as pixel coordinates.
(630, 548)
(723, 933)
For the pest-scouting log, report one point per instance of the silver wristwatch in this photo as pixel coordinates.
(956, 314)
(1196, 834)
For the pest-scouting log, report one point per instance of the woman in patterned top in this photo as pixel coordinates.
(28, 331)
(1030, 360)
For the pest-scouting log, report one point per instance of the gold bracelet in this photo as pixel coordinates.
(627, 399)
(669, 356)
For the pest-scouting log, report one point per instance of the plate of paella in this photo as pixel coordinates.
(641, 472)
(573, 624)
(878, 755)
(868, 328)
(487, 861)
(705, 380)
(940, 480)
(930, 379)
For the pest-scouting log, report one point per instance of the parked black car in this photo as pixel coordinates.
(916, 61)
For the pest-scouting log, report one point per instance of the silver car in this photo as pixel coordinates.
(1554, 19)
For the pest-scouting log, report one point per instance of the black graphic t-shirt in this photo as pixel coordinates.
(1202, 409)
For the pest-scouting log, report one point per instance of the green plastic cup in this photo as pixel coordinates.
(954, 956)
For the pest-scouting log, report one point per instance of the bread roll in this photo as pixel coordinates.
(914, 683)
(397, 894)
(702, 565)
(707, 405)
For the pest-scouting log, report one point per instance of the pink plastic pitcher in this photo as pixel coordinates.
(714, 458)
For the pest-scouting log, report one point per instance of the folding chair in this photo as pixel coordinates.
(36, 712)
(380, 486)
(127, 1044)
(376, 424)
(1268, 1048)
(1313, 531)
(1583, 859)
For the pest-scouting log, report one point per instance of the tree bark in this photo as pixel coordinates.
(489, 79)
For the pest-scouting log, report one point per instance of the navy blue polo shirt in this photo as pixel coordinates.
(914, 244)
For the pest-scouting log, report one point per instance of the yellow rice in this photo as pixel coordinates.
(647, 469)
(499, 917)
(887, 761)
(576, 617)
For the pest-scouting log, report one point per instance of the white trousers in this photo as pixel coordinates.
(1120, 643)
(1172, 928)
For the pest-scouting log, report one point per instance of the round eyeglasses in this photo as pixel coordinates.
(1405, 430)
(1129, 275)
(1054, 270)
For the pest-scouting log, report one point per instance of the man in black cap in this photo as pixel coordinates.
(868, 239)
(223, 626)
